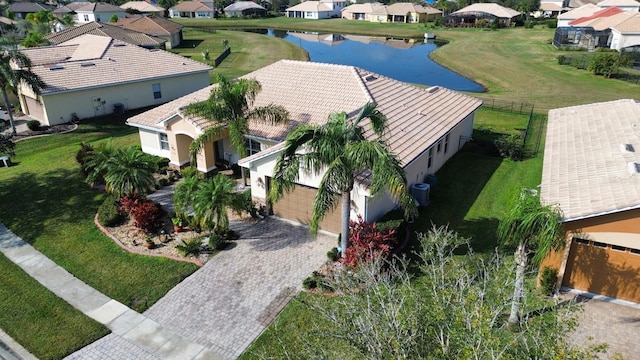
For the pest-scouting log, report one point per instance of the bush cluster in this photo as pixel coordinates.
(548, 280)
(33, 125)
(368, 243)
(511, 146)
(109, 214)
(190, 247)
(146, 214)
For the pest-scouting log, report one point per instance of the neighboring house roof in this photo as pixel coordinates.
(550, 7)
(152, 25)
(96, 7)
(631, 25)
(596, 15)
(188, 6)
(28, 7)
(102, 29)
(313, 6)
(311, 91)
(592, 158)
(365, 8)
(142, 6)
(488, 8)
(623, 3)
(90, 61)
(605, 23)
(582, 11)
(243, 5)
(404, 8)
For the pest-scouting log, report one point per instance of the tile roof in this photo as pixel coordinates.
(625, 3)
(108, 30)
(191, 6)
(142, 6)
(316, 6)
(404, 8)
(243, 5)
(592, 158)
(550, 7)
(489, 8)
(364, 8)
(94, 61)
(582, 11)
(95, 7)
(598, 14)
(608, 22)
(29, 7)
(630, 25)
(152, 25)
(311, 91)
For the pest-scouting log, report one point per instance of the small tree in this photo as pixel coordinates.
(607, 64)
(7, 146)
(113, 19)
(210, 203)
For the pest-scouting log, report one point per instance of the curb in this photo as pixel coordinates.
(75, 127)
(134, 251)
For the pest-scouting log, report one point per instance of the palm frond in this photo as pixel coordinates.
(271, 114)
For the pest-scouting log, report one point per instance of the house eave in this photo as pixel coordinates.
(602, 213)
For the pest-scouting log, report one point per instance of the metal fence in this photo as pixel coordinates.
(509, 106)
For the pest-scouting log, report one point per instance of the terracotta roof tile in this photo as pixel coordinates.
(489, 8)
(152, 25)
(142, 6)
(310, 6)
(101, 29)
(586, 166)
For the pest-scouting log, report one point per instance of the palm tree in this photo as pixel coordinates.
(129, 171)
(11, 78)
(341, 148)
(183, 194)
(532, 228)
(211, 200)
(229, 107)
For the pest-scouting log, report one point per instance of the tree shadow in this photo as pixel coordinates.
(189, 44)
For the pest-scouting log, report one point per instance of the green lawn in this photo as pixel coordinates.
(53, 209)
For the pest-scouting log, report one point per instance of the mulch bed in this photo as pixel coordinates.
(46, 130)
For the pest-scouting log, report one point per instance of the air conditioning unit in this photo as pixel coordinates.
(420, 192)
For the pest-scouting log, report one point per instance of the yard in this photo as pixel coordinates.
(53, 209)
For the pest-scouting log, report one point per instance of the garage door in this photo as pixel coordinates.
(297, 206)
(34, 109)
(603, 269)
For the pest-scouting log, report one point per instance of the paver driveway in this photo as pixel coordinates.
(605, 322)
(227, 303)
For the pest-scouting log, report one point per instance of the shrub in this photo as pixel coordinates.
(367, 243)
(163, 181)
(561, 59)
(108, 212)
(552, 23)
(217, 241)
(607, 64)
(246, 203)
(511, 146)
(310, 282)
(528, 24)
(333, 254)
(130, 202)
(83, 155)
(548, 280)
(236, 170)
(482, 23)
(190, 172)
(190, 247)
(33, 125)
(147, 216)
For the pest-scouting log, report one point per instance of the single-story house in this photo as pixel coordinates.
(323, 9)
(396, 12)
(155, 26)
(607, 28)
(626, 5)
(469, 15)
(583, 11)
(108, 30)
(84, 12)
(426, 128)
(626, 34)
(22, 9)
(549, 9)
(93, 75)
(143, 7)
(192, 9)
(245, 8)
(363, 12)
(591, 170)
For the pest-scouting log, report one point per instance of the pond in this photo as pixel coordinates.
(406, 60)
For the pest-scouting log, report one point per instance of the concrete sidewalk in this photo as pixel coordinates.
(131, 330)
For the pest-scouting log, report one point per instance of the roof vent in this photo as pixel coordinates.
(119, 44)
(633, 167)
(370, 77)
(433, 89)
(86, 64)
(56, 67)
(627, 148)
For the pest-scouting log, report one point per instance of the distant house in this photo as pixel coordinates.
(427, 127)
(84, 12)
(625, 5)
(144, 8)
(469, 16)
(583, 11)
(591, 170)
(22, 9)
(396, 12)
(245, 8)
(95, 75)
(192, 9)
(109, 30)
(625, 35)
(154, 26)
(323, 9)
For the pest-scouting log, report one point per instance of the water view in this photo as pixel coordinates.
(401, 59)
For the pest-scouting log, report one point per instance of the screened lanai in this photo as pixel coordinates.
(584, 37)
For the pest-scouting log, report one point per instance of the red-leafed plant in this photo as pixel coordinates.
(129, 202)
(367, 243)
(147, 216)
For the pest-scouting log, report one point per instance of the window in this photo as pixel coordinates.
(253, 147)
(581, 241)
(619, 248)
(309, 14)
(157, 94)
(446, 143)
(430, 161)
(599, 244)
(86, 18)
(164, 142)
(439, 145)
(635, 251)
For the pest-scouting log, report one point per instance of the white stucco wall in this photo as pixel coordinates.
(150, 143)
(619, 41)
(59, 106)
(100, 16)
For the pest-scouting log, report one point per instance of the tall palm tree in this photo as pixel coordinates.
(129, 171)
(532, 228)
(341, 150)
(229, 107)
(11, 78)
(183, 194)
(211, 201)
